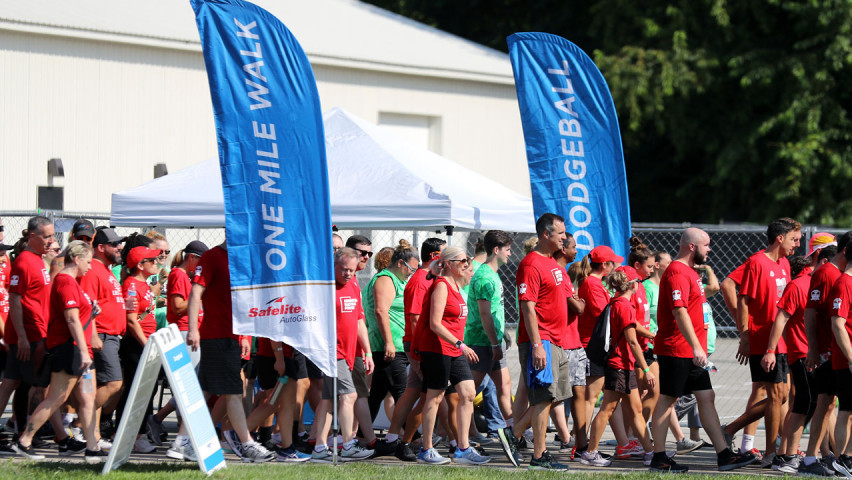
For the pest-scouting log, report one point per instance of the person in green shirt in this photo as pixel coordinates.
(485, 322)
(384, 310)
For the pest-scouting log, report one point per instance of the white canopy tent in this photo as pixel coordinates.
(376, 181)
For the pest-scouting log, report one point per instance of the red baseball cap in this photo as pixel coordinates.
(631, 272)
(137, 254)
(602, 253)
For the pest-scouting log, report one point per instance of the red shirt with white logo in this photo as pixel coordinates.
(101, 286)
(572, 333)
(596, 297)
(31, 280)
(180, 285)
(822, 280)
(840, 299)
(622, 314)
(144, 305)
(680, 287)
(65, 294)
(454, 319)
(539, 279)
(793, 302)
(349, 312)
(763, 283)
(213, 274)
(412, 298)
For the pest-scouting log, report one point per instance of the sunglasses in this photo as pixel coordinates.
(2, 228)
(148, 260)
(114, 244)
(464, 261)
(364, 253)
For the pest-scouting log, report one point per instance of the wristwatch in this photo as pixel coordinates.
(459, 344)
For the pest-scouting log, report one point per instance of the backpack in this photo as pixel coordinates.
(600, 343)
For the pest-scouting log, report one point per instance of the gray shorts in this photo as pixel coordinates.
(35, 371)
(485, 363)
(344, 381)
(359, 378)
(579, 366)
(415, 376)
(107, 362)
(557, 391)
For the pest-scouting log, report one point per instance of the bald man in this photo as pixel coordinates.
(681, 348)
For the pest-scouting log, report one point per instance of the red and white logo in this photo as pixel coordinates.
(348, 304)
(522, 288)
(815, 294)
(557, 275)
(836, 305)
(676, 295)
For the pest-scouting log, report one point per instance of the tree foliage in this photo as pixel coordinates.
(729, 111)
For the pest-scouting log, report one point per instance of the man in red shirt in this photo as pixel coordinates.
(766, 276)
(681, 349)
(219, 368)
(543, 326)
(841, 365)
(102, 287)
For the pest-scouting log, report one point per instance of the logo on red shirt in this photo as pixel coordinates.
(13, 281)
(676, 295)
(348, 304)
(815, 295)
(557, 275)
(837, 303)
(522, 288)
(462, 310)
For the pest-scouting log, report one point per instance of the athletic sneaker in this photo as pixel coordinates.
(686, 445)
(755, 452)
(790, 465)
(828, 461)
(841, 466)
(482, 439)
(354, 453)
(768, 460)
(646, 459)
(95, 456)
(386, 448)
(547, 462)
(405, 453)
(595, 459)
(432, 457)
(816, 469)
(254, 452)
(324, 456)
(104, 444)
(632, 448)
(233, 442)
(729, 460)
(660, 463)
(509, 444)
(70, 446)
(560, 445)
(27, 452)
(142, 445)
(469, 457)
(155, 429)
(291, 455)
(729, 438)
(7, 449)
(182, 451)
(523, 443)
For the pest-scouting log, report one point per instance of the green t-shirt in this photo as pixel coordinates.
(485, 285)
(652, 291)
(396, 313)
(465, 290)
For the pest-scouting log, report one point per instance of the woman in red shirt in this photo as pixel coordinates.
(444, 358)
(619, 377)
(70, 331)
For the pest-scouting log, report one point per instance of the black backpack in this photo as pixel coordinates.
(600, 343)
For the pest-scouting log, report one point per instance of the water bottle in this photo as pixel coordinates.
(87, 380)
(130, 299)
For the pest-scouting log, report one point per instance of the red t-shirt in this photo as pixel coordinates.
(621, 315)
(5, 272)
(793, 302)
(596, 297)
(349, 312)
(763, 283)
(65, 294)
(572, 332)
(822, 280)
(680, 287)
(212, 273)
(144, 305)
(100, 284)
(412, 298)
(31, 280)
(454, 319)
(180, 285)
(264, 347)
(539, 279)
(840, 298)
(639, 300)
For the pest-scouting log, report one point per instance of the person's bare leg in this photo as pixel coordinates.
(578, 412)
(541, 411)
(660, 421)
(819, 424)
(710, 418)
(608, 405)
(464, 411)
(430, 413)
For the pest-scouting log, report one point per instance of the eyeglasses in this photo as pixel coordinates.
(410, 268)
(364, 253)
(337, 248)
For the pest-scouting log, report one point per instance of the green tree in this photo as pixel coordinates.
(729, 111)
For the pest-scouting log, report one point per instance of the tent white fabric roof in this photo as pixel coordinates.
(345, 33)
(376, 181)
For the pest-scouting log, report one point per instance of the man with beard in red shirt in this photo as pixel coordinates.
(681, 349)
(766, 276)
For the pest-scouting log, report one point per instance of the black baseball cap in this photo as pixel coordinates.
(106, 235)
(4, 247)
(83, 227)
(195, 247)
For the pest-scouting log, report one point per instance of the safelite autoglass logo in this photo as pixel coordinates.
(285, 311)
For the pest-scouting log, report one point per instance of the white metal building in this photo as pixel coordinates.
(113, 87)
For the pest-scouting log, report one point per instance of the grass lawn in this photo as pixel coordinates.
(360, 471)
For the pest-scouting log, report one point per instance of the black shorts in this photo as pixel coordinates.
(620, 381)
(248, 366)
(776, 375)
(37, 375)
(843, 383)
(679, 377)
(649, 357)
(107, 362)
(314, 373)
(65, 357)
(295, 367)
(595, 369)
(804, 387)
(824, 379)
(219, 368)
(439, 370)
(267, 377)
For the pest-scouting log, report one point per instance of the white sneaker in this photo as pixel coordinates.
(255, 452)
(182, 452)
(354, 453)
(595, 459)
(233, 442)
(142, 445)
(104, 444)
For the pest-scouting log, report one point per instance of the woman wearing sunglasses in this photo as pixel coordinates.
(444, 358)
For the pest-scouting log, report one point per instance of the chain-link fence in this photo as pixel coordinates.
(730, 246)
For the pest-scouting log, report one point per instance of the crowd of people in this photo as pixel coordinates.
(426, 334)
